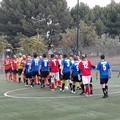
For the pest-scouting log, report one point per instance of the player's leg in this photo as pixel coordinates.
(91, 87)
(19, 75)
(52, 81)
(57, 77)
(15, 76)
(106, 86)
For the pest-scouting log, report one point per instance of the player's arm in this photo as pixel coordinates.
(110, 72)
(39, 69)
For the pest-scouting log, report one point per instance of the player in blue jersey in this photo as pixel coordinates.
(28, 71)
(44, 70)
(35, 68)
(75, 76)
(65, 71)
(103, 68)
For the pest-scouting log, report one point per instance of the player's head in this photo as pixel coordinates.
(52, 56)
(35, 55)
(71, 57)
(20, 55)
(14, 56)
(102, 57)
(28, 58)
(84, 56)
(24, 56)
(56, 56)
(64, 56)
(61, 56)
(75, 58)
(7, 56)
(44, 56)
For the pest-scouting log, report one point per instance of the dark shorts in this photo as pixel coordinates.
(103, 80)
(20, 71)
(28, 75)
(66, 76)
(75, 79)
(35, 73)
(15, 71)
(7, 71)
(80, 78)
(44, 74)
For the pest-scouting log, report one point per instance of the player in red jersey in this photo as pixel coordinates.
(54, 71)
(85, 66)
(14, 68)
(7, 65)
(23, 61)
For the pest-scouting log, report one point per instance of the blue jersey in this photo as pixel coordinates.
(35, 65)
(66, 63)
(103, 67)
(75, 69)
(44, 65)
(28, 67)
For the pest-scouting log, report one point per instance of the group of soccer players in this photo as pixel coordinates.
(57, 71)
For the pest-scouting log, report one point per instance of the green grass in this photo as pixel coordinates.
(59, 108)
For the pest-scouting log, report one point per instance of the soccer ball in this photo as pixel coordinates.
(66, 88)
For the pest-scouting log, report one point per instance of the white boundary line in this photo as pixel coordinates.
(17, 97)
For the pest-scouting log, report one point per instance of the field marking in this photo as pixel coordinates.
(17, 97)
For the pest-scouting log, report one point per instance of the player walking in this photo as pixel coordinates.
(105, 73)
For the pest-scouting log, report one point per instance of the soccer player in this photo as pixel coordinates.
(23, 61)
(74, 73)
(65, 71)
(54, 71)
(44, 70)
(105, 73)
(20, 67)
(35, 68)
(14, 68)
(7, 66)
(27, 70)
(85, 66)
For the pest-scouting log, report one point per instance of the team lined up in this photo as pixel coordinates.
(57, 71)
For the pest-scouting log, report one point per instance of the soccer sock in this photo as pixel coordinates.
(26, 81)
(87, 89)
(106, 88)
(59, 83)
(82, 87)
(70, 84)
(91, 89)
(73, 88)
(77, 84)
(67, 83)
(104, 91)
(63, 86)
(15, 78)
(52, 86)
(32, 82)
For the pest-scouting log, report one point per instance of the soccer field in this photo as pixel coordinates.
(25, 103)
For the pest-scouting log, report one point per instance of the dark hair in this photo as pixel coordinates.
(64, 56)
(44, 55)
(35, 55)
(52, 55)
(75, 58)
(102, 56)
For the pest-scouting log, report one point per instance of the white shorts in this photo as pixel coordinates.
(86, 79)
(54, 76)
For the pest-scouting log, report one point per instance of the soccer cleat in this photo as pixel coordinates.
(26, 85)
(82, 93)
(52, 90)
(104, 96)
(61, 90)
(73, 92)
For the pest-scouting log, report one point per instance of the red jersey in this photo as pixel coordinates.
(14, 64)
(54, 64)
(7, 64)
(85, 66)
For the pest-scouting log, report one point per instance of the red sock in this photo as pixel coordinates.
(52, 86)
(87, 89)
(59, 83)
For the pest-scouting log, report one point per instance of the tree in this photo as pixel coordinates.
(88, 39)
(31, 16)
(4, 44)
(33, 44)
(85, 13)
